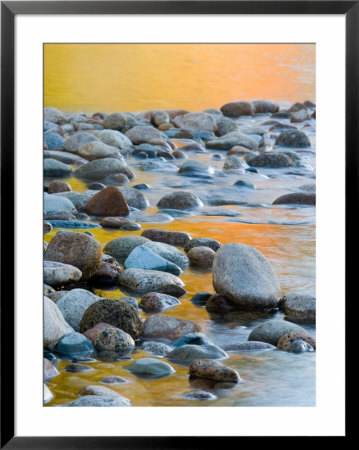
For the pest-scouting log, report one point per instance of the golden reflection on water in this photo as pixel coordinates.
(137, 77)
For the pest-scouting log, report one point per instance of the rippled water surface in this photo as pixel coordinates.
(135, 78)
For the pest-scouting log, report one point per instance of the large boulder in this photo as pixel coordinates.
(293, 138)
(272, 330)
(141, 281)
(74, 304)
(167, 327)
(58, 274)
(180, 200)
(77, 249)
(55, 325)
(236, 109)
(244, 276)
(118, 313)
(100, 169)
(108, 202)
(196, 121)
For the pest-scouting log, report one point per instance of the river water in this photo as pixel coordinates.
(285, 235)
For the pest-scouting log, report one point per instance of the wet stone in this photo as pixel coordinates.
(200, 396)
(113, 380)
(77, 368)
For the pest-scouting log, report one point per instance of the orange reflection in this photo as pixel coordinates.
(135, 77)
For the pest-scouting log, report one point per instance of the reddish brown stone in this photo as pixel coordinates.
(108, 202)
(286, 341)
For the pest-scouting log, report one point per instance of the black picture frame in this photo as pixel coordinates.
(8, 12)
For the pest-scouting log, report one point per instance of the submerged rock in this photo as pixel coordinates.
(186, 354)
(150, 367)
(54, 168)
(156, 348)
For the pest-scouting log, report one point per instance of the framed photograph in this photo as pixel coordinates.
(173, 220)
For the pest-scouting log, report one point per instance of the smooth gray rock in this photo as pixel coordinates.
(229, 140)
(73, 142)
(247, 346)
(74, 344)
(134, 197)
(270, 159)
(272, 330)
(58, 274)
(97, 150)
(233, 162)
(120, 248)
(54, 204)
(150, 367)
(100, 169)
(244, 276)
(99, 401)
(54, 115)
(54, 168)
(50, 370)
(142, 257)
(74, 304)
(141, 281)
(115, 139)
(55, 325)
(169, 328)
(186, 354)
(48, 395)
(196, 121)
(145, 134)
(168, 252)
(64, 157)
